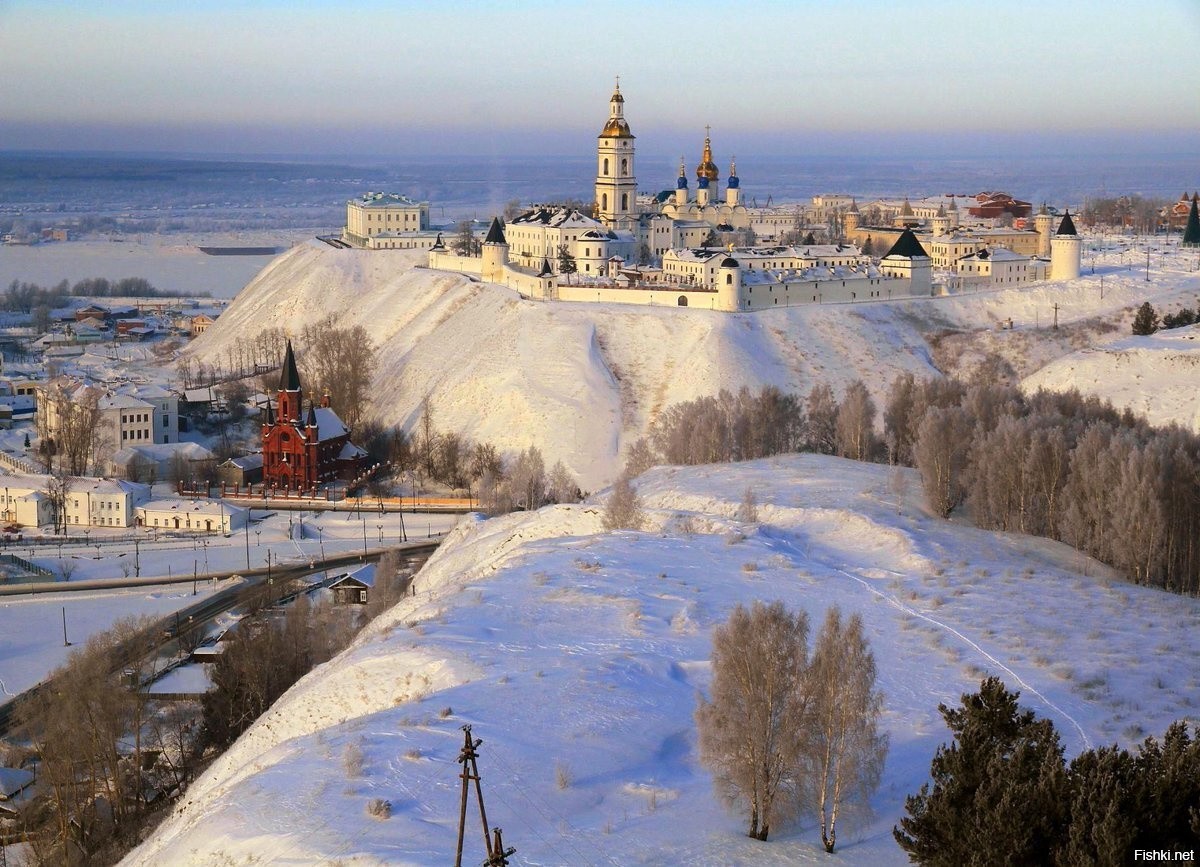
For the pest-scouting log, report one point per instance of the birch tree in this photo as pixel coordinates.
(846, 748)
(751, 731)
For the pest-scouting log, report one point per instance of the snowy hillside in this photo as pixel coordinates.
(582, 381)
(1157, 377)
(577, 656)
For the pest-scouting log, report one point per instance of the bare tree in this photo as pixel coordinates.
(846, 749)
(561, 486)
(58, 486)
(339, 363)
(943, 440)
(527, 480)
(752, 729)
(821, 417)
(856, 423)
(623, 509)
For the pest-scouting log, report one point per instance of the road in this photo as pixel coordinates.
(166, 628)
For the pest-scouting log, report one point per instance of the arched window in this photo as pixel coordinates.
(624, 201)
(604, 202)
(605, 172)
(624, 165)
(728, 279)
(682, 302)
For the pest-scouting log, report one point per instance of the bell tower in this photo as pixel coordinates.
(616, 183)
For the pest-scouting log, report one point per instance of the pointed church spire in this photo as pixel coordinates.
(1067, 226)
(289, 380)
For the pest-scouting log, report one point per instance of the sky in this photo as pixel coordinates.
(422, 78)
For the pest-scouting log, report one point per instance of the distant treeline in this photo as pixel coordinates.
(27, 297)
(1049, 464)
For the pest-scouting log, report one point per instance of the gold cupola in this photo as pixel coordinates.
(707, 170)
(617, 126)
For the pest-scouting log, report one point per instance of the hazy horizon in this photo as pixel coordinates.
(403, 79)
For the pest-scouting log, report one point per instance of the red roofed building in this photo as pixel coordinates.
(991, 205)
(304, 449)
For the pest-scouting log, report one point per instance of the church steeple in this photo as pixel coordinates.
(616, 182)
(291, 396)
(289, 379)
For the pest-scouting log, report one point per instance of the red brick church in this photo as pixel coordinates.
(304, 449)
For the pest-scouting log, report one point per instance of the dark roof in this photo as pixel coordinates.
(1067, 226)
(729, 262)
(907, 246)
(289, 380)
(546, 271)
(312, 416)
(495, 233)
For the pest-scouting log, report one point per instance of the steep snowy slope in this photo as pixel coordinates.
(577, 656)
(1157, 377)
(582, 381)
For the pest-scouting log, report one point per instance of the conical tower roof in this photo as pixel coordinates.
(1067, 226)
(289, 379)
(907, 246)
(495, 233)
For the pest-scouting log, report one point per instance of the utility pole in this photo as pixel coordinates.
(497, 855)
(1056, 316)
(65, 642)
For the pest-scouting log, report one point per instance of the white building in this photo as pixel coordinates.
(387, 221)
(195, 516)
(104, 502)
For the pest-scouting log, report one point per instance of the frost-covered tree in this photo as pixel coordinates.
(846, 750)
(821, 420)
(941, 449)
(623, 508)
(856, 423)
(751, 728)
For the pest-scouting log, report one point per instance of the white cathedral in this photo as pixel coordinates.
(530, 252)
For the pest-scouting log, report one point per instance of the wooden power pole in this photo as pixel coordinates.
(497, 855)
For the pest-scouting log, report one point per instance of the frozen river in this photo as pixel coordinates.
(169, 262)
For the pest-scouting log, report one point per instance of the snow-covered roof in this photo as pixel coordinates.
(245, 462)
(329, 426)
(385, 200)
(13, 780)
(110, 486)
(350, 451)
(559, 218)
(163, 452)
(195, 507)
(123, 401)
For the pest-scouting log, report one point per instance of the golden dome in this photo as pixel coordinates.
(707, 168)
(617, 127)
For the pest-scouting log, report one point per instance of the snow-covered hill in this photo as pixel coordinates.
(1157, 377)
(582, 381)
(577, 656)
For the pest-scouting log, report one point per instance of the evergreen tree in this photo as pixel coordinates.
(566, 262)
(999, 789)
(1146, 320)
(1191, 234)
(809, 240)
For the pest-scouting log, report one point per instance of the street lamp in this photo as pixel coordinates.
(380, 526)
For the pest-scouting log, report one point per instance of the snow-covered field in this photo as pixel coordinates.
(577, 656)
(583, 381)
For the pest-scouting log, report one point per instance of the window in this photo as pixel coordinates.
(605, 171)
